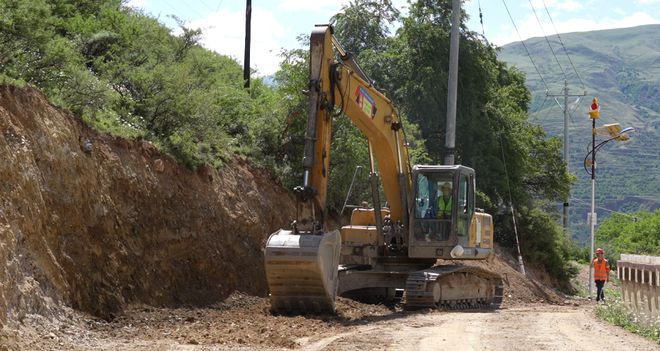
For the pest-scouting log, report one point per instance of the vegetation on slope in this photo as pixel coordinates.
(636, 233)
(123, 72)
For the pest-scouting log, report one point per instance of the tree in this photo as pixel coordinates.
(514, 160)
(633, 233)
(364, 24)
(124, 72)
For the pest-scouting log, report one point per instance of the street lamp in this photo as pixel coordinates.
(618, 134)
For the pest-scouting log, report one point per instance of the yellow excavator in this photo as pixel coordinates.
(389, 249)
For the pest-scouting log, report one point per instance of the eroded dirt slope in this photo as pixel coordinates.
(121, 223)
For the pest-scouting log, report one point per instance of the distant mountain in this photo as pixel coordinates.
(269, 80)
(622, 68)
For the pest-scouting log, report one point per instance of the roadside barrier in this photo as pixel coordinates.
(640, 285)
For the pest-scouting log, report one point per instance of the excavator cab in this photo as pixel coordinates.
(443, 223)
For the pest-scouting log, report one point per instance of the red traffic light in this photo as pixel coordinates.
(595, 109)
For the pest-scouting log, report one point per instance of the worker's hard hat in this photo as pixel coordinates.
(600, 251)
(445, 185)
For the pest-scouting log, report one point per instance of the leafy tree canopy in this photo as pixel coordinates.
(515, 162)
(635, 233)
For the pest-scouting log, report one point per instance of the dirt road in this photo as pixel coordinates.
(533, 317)
(532, 327)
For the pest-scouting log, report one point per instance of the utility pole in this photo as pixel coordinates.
(452, 85)
(246, 55)
(566, 95)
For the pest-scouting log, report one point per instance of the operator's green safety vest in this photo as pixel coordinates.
(444, 208)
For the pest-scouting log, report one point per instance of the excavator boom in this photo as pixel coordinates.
(301, 268)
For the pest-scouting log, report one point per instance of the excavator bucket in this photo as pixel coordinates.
(302, 271)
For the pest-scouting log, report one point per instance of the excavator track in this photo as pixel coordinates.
(453, 287)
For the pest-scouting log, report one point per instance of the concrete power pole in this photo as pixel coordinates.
(566, 95)
(248, 33)
(452, 86)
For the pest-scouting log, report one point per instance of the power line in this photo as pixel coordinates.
(481, 19)
(563, 46)
(533, 116)
(546, 40)
(545, 98)
(170, 6)
(508, 184)
(577, 104)
(513, 214)
(525, 46)
(177, 12)
(210, 8)
(570, 113)
(603, 208)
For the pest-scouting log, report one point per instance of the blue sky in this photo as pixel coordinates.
(276, 24)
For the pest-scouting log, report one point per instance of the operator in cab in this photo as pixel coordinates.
(444, 201)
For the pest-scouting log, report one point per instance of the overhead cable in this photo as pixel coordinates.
(603, 208)
(521, 264)
(547, 40)
(563, 46)
(525, 46)
(481, 19)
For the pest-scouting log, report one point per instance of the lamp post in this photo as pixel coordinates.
(616, 133)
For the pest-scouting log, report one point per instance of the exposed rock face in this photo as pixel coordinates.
(97, 222)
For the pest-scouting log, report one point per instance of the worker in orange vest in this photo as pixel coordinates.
(601, 273)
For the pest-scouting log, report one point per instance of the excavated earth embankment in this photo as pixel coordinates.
(96, 222)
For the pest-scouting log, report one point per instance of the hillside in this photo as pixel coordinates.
(622, 68)
(97, 222)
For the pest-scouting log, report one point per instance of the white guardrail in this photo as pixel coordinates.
(640, 285)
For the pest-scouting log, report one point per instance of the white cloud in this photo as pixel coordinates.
(619, 11)
(224, 32)
(530, 28)
(311, 5)
(648, 2)
(559, 5)
(137, 3)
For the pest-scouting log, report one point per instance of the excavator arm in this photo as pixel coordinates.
(301, 264)
(343, 85)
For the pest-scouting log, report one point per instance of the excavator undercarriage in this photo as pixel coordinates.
(302, 280)
(454, 287)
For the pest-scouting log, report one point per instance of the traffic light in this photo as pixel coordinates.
(594, 113)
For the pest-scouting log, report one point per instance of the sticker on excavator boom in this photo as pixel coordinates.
(365, 101)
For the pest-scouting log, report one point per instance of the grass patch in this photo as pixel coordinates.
(614, 312)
